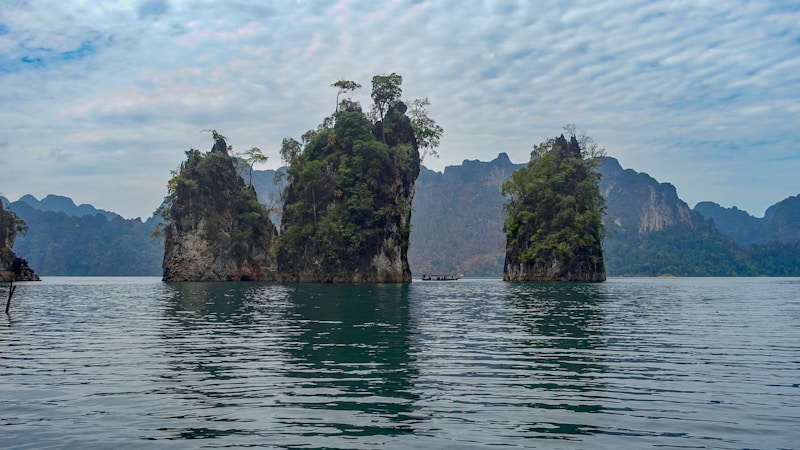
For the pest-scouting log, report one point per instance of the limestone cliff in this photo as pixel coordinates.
(781, 222)
(553, 229)
(215, 228)
(347, 213)
(638, 203)
(12, 267)
(446, 236)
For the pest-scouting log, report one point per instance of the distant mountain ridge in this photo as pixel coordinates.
(741, 226)
(781, 222)
(77, 244)
(636, 202)
(457, 224)
(59, 203)
(457, 228)
(650, 231)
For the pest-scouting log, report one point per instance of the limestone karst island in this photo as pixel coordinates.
(347, 204)
(554, 212)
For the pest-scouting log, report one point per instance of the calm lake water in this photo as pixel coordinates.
(477, 363)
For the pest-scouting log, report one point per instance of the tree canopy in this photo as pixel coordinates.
(426, 130)
(386, 91)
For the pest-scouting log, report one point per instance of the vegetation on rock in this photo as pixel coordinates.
(446, 236)
(347, 208)
(11, 266)
(554, 214)
(215, 229)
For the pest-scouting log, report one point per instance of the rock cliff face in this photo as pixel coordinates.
(457, 226)
(783, 220)
(347, 213)
(12, 267)
(581, 268)
(216, 230)
(741, 226)
(637, 202)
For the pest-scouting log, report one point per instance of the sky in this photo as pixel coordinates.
(99, 100)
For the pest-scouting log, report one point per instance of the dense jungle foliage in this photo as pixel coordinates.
(351, 179)
(210, 186)
(554, 209)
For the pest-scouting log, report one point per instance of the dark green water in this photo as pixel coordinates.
(630, 363)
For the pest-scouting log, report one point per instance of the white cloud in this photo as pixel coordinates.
(699, 94)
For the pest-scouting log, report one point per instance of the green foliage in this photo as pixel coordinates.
(291, 149)
(251, 157)
(343, 182)
(11, 226)
(426, 130)
(386, 91)
(335, 182)
(675, 251)
(776, 259)
(344, 86)
(554, 207)
(699, 251)
(216, 136)
(208, 186)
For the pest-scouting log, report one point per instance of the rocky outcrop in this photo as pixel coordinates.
(215, 228)
(741, 226)
(553, 230)
(12, 267)
(638, 203)
(347, 213)
(586, 267)
(783, 220)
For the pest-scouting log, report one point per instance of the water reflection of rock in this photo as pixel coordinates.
(563, 324)
(222, 344)
(272, 361)
(348, 348)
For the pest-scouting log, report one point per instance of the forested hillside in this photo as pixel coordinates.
(89, 245)
(741, 226)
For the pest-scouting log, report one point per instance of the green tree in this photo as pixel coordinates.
(349, 183)
(252, 157)
(386, 91)
(344, 86)
(291, 149)
(426, 130)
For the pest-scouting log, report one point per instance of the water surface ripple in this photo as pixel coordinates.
(630, 363)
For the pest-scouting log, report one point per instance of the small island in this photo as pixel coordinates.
(215, 229)
(347, 210)
(554, 214)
